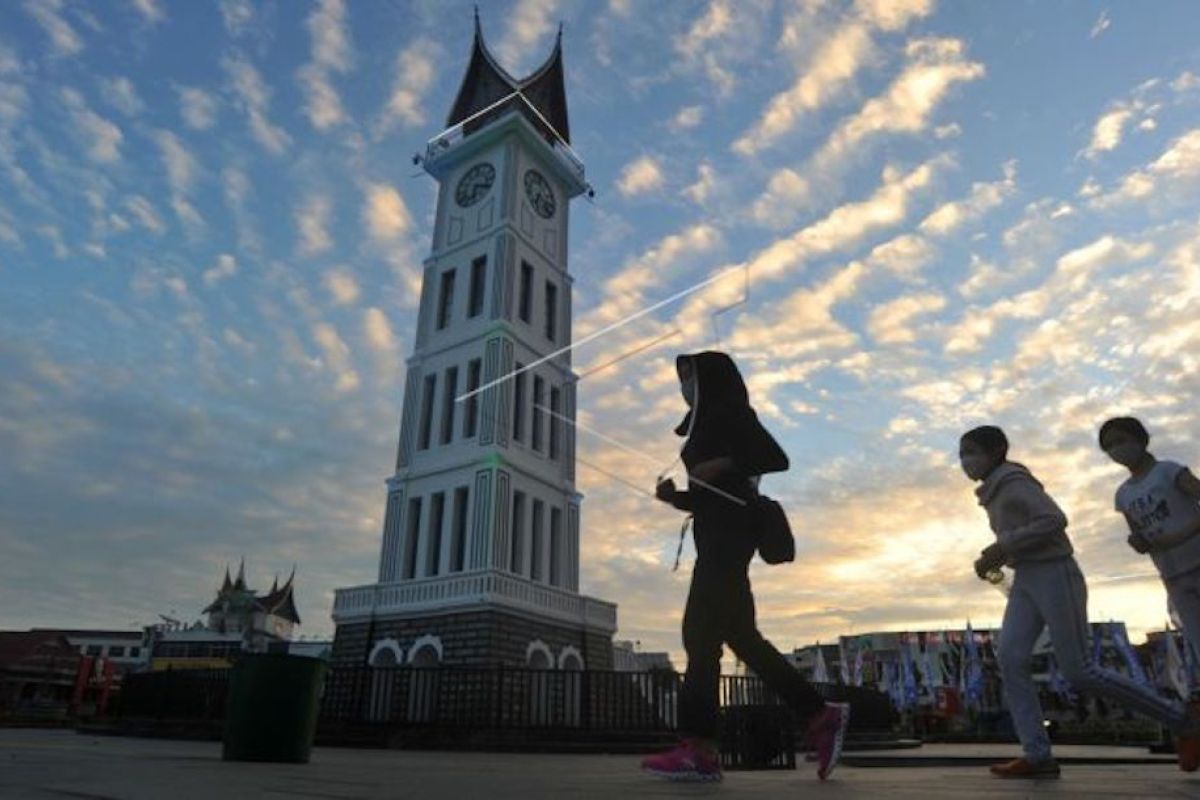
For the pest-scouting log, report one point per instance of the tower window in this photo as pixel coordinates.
(433, 552)
(535, 541)
(551, 310)
(478, 281)
(449, 392)
(555, 547)
(539, 415)
(526, 297)
(410, 538)
(518, 430)
(458, 540)
(555, 422)
(446, 299)
(471, 415)
(427, 395)
(516, 563)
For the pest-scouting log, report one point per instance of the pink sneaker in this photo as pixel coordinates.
(686, 762)
(826, 734)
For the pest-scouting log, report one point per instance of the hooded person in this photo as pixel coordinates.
(1048, 591)
(726, 450)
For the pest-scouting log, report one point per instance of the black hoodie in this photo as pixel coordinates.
(725, 426)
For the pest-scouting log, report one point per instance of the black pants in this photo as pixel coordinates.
(720, 609)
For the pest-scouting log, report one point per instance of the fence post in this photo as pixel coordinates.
(585, 700)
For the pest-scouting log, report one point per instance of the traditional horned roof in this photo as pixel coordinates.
(235, 595)
(486, 82)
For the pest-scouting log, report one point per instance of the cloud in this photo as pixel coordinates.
(312, 223)
(332, 52)
(120, 94)
(255, 100)
(721, 38)
(984, 197)
(384, 212)
(640, 176)
(181, 170)
(687, 118)
(226, 267)
(336, 356)
(1101, 25)
(528, 22)
(841, 55)
(706, 182)
(103, 136)
(1186, 82)
(904, 255)
(144, 212)
(1106, 135)
(150, 11)
(935, 66)
(237, 15)
(1178, 167)
(377, 331)
(197, 107)
(63, 38)
(891, 323)
(414, 73)
(342, 286)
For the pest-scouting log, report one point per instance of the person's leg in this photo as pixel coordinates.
(695, 758)
(761, 656)
(825, 723)
(1018, 634)
(1184, 592)
(1061, 595)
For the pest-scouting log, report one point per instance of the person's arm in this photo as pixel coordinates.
(1138, 542)
(1187, 483)
(1043, 517)
(666, 491)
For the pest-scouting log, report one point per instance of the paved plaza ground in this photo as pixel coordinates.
(61, 764)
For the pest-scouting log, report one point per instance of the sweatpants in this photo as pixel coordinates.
(1184, 591)
(1053, 594)
(720, 610)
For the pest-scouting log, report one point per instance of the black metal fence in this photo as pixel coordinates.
(478, 698)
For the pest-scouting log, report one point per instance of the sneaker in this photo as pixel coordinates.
(686, 762)
(1024, 768)
(1187, 741)
(826, 735)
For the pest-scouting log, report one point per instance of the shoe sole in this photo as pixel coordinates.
(691, 776)
(839, 740)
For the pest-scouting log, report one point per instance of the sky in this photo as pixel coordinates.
(931, 216)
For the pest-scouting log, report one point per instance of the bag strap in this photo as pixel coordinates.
(682, 533)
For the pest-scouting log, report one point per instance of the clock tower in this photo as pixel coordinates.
(480, 556)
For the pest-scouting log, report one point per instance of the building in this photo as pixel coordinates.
(628, 658)
(480, 554)
(239, 620)
(127, 650)
(38, 673)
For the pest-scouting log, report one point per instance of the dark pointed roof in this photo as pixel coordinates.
(486, 82)
(227, 584)
(240, 583)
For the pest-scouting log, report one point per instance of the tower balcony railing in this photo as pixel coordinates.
(473, 589)
(515, 103)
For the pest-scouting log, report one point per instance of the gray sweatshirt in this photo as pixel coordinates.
(1028, 524)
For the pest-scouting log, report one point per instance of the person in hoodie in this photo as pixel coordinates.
(1048, 591)
(1161, 504)
(725, 452)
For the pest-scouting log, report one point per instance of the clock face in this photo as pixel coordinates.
(540, 195)
(475, 184)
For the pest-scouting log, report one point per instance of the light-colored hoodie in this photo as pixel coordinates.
(1028, 524)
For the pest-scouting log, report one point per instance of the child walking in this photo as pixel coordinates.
(725, 452)
(1048, 590)
(1161, 503)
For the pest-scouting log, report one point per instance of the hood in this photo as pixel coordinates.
(719, 387)
(1006, 472)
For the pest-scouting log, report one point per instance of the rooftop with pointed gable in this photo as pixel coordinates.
(486, 84)
(235, 596)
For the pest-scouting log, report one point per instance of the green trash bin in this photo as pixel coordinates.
(274, 700)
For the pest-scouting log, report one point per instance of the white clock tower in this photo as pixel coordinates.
(480, 556)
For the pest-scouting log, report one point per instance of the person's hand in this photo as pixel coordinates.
(1139, 543)
(992, 558)
(665, 490)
